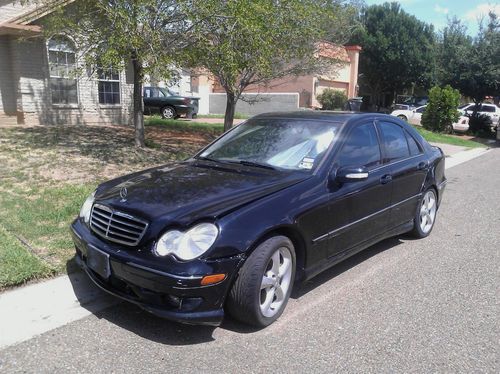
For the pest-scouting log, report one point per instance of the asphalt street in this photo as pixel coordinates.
(403, 305)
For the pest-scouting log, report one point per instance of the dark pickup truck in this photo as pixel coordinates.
(168, 104)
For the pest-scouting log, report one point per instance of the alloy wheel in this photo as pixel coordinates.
(168, 112)
(276, 282)
(428, 211)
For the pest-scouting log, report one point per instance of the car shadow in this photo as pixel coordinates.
(139, 322)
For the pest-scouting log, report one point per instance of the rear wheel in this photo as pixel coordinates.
(425, 216)
(403, 117)
(262, 289)
(168, 112)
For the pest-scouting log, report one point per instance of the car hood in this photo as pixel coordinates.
(193, 190)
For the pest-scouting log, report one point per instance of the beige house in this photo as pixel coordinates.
(38, 83)
(343, 77)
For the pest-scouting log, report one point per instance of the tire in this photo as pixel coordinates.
(264, 284)
(426, 209)
(168, 112)
(403, 118)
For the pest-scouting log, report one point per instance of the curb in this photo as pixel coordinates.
(41, 307)
(464, 156)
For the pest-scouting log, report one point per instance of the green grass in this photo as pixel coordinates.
(236, 116)
(183, 125)
(41, 217)
(17, 264)
(447, 139)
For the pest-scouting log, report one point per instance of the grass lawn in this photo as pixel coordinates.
(236, 116)
(46, 174)
(184, 125)
(447, 139)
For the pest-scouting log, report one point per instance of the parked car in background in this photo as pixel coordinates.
(170, 105)
(490, 110)
(274, 201)
(415, 118)
(411, 103)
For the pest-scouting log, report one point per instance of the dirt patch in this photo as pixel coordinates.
(80, 154)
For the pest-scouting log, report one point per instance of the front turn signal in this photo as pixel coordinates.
(211, 279)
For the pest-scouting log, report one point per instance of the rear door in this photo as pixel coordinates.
(359, 211)
(408, 167)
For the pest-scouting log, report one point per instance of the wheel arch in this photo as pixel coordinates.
(297, 240)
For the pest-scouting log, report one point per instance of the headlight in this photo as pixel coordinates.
(187, 245)
(86, 208)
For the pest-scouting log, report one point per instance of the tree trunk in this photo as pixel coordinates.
(230, 108)
(138, 104)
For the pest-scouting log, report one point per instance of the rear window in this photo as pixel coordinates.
(394, 140)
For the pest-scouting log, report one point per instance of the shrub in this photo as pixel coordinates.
(441, 110)
(332, 99)
(480, 124)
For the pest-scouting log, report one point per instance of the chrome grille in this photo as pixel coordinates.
(117, 226)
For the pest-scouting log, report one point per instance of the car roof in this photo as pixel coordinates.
(322, 115)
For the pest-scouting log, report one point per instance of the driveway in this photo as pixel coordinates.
(401, 306)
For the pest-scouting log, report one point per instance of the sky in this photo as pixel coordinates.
(437, 11)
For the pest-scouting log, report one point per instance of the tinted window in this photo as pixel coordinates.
(420, 110)
(488, 108)
(394, 140)
(361, 147)
(412, 144)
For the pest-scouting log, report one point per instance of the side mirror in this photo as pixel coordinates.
(351, 174)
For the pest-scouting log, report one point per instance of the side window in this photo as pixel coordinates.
(420, 110)
(361, 147)
(488, 108)
(394, 140)
(412, 144)
(147, 92)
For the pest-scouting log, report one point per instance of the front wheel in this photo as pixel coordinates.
(403, 117)
(425, 216)
(262, 289)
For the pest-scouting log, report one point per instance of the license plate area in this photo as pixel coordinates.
(98, 261)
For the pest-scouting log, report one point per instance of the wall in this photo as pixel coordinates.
(262, 103)
(33, 101)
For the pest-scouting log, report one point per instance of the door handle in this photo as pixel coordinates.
(422, 165)
(386, 179)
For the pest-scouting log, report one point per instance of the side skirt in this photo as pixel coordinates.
(339, 257)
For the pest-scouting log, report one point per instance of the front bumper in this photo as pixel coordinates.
(159, 291)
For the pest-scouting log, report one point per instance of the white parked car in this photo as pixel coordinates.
(415, 116)
(411, 116)
(491, 110)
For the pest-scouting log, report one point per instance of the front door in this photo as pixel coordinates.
(359, 210)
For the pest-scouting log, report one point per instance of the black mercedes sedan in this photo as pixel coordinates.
(274, 201)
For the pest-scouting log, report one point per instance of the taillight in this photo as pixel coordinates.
(187, 101)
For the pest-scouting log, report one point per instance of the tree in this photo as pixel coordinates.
(471, 65)
(113, 33)
(251, 42)
(441, 111)
(398, 50)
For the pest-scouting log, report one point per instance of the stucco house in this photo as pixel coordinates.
(37, 80)
(342, 76)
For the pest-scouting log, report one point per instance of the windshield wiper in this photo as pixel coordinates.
(205, 158)
(256, 164)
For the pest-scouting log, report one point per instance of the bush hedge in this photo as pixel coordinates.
(441, 110)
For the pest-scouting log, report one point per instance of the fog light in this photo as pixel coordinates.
(211, 279)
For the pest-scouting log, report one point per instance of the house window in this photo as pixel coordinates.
(62, 66)
(108, 86)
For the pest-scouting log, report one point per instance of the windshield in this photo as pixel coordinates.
(278, 143)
